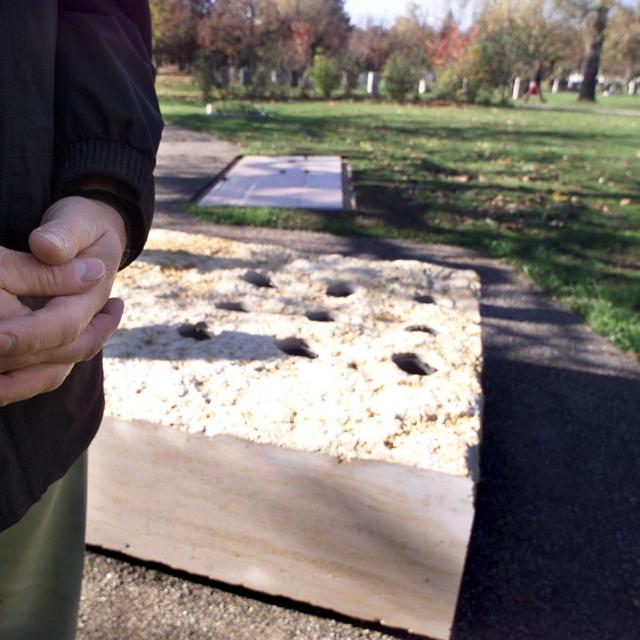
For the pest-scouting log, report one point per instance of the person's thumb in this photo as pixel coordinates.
(66, 230)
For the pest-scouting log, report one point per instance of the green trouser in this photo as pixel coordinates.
(41, 561)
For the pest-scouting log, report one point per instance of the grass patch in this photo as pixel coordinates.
(569, 100)
(554, 193)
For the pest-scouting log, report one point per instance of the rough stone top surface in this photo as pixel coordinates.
(296, 182)
(386, 368)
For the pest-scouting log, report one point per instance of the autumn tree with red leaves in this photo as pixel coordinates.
(449, 45)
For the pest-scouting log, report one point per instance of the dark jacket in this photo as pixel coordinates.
(76, 99)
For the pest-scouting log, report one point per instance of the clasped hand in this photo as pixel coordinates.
(55, 308)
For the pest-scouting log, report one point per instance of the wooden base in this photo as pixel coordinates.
(372, 540)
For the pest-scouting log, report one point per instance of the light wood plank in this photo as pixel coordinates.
(373, 540)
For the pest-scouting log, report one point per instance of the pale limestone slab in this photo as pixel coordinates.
(309, 182)
(352, 401)
(340, 480)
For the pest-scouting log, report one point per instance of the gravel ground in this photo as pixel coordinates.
(133, 602)
(555, 548)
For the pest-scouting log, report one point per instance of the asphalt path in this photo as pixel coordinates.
(555, 548)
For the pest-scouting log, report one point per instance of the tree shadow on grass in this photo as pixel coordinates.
(318, 128)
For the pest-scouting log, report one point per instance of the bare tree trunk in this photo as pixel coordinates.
(592, 63)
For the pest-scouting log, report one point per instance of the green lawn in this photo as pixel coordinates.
(569, 101)
(554, 193)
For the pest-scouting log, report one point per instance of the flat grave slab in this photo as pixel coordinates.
(316, 437)
(296, 182)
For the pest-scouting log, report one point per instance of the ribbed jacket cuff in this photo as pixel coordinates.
(98, 157)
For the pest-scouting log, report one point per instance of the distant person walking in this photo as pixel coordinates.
(535, 85)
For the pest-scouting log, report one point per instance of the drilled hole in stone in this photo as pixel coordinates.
(296, 347)
(422, 328)
(258, 279)
(231, 306)
(197, 331)
(340, 289)
(412, 364)
(424, 299)
(319, 315)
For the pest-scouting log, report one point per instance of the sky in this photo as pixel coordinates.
(387, 10)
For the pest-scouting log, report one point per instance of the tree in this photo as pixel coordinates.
(621, 52)
(592, 63)
(371, 46)
(352, 66)
(411, 35)
(448, 44)
(595, 14)
(302, 36)
(272, 34)
(206, 67)
(174, 29)
(510, 37)
(230, 29)
(327, 20)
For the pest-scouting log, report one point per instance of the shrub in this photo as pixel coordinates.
(325, 74)
(463, 80)
(447, 85)
(400, 77)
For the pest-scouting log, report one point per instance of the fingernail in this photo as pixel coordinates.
(89, 269)
(59, 240)
(6, 343)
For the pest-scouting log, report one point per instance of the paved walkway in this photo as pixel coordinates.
(555, 548)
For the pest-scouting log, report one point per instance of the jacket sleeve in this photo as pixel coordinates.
(107, 119)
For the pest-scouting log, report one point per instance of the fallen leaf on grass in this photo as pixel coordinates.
(625, 202)
(499, 201)
(463, 178)
(607, 211)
